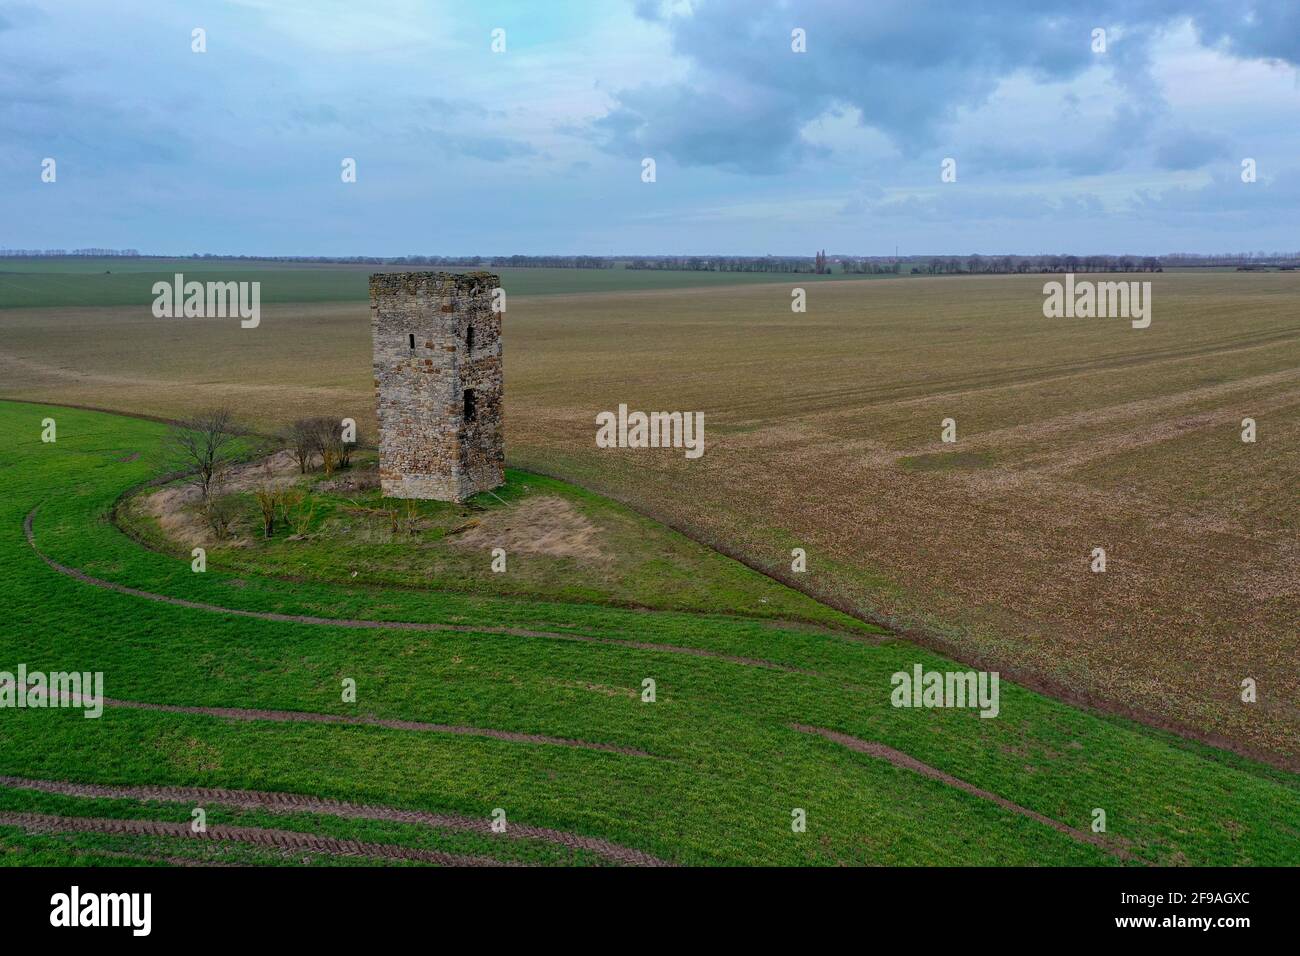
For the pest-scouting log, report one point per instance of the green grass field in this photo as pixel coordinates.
(720, 768)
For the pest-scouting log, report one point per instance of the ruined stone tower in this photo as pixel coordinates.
(438, 383)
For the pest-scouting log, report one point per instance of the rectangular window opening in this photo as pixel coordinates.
(469, 404)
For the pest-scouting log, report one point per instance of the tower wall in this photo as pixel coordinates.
(432, 442)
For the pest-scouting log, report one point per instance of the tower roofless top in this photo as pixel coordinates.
(410, 283)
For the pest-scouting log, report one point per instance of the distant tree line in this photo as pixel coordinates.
(730, 264)
(870, 266)
(1241, 260)
(820, 263)
(472, 262)
(1019, 265)
(44, 253)
(555, 262)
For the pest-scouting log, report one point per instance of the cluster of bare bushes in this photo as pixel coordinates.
(310, 439)
(285, 504)
(206, 447)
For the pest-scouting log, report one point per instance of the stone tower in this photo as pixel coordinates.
(438, 383)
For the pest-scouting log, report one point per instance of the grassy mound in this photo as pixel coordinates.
(561, 543)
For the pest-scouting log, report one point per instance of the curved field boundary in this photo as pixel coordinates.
(908, 762)
(297, 803)
(253, 836)
(85, 578)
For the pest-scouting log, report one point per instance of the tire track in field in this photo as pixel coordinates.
(253, 836)
(908, 762)
(298, 803)
(279, 618)
(307, 717)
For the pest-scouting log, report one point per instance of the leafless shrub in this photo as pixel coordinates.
(327, 441)
(402, 518)
(296, 509)
(287, 501)
(300, 438)
(266, 502)
(301, 515)
(346, 448)
(410, 517)
(267, 496)
(203, 445)
(220, 510)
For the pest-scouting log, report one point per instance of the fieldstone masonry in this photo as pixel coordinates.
(438, 383)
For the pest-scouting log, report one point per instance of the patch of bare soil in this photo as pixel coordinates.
(355, 479)
(543, 525)
(176, 507)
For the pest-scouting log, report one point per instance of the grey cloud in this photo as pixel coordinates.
(1263, 29)
(1188, 149)
(907, 67)
(1274, 198)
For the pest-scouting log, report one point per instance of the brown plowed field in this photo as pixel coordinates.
(823, 431)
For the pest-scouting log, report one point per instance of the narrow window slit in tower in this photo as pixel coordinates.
(412, 338)
(469, 404)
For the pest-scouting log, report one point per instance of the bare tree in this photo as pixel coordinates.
(327, 439)
(301, 439)
(204, 446)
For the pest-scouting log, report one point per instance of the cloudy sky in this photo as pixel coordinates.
(758, 149)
